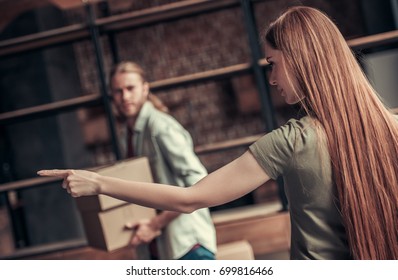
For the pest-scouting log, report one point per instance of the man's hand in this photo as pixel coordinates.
(76, 182)
(145, 232)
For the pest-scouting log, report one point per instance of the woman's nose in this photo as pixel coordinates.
(271, 79)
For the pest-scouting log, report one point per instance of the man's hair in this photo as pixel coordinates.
(132, 67)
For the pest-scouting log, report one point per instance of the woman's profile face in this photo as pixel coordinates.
(278, 75)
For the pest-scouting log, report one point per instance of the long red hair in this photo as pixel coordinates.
(361, 133)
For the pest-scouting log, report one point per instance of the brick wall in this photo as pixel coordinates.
(191, 45)
(209, 111)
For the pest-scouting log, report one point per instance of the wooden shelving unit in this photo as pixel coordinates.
(119, 23)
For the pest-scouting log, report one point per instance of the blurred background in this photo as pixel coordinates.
(204, 59)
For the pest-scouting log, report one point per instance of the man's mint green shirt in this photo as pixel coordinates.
(169, 148)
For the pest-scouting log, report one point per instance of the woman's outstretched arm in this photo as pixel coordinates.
(230, 182)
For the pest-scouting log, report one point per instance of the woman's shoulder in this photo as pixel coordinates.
(299, 126)
(303, 122)
(298, 134)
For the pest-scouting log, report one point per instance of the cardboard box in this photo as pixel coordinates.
(104, 217)
(136, 169)
(106, 229)
(237, 250)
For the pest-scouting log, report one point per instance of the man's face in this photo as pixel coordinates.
(129, 93)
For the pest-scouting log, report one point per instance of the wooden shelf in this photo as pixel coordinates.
(49, 109)
(374, 40)
(228, 144)
(113, 24)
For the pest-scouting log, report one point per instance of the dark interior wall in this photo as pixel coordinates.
(378, 16)
(31, 79)
(380, 63)
(347, 15)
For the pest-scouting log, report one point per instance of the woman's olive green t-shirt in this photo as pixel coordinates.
(296, 152)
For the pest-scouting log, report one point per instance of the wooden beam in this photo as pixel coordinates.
(115, 23)
(200, 77)
(162, 13)
(27, 183)
(44, 39)
(376, 40)
(228, 144)
(87, 100)
(51, 108)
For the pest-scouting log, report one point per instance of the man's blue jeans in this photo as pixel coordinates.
(198, 253)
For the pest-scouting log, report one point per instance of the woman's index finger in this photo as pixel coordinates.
(54, 172)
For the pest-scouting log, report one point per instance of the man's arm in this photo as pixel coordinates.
(177, 148)
(147, 230)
